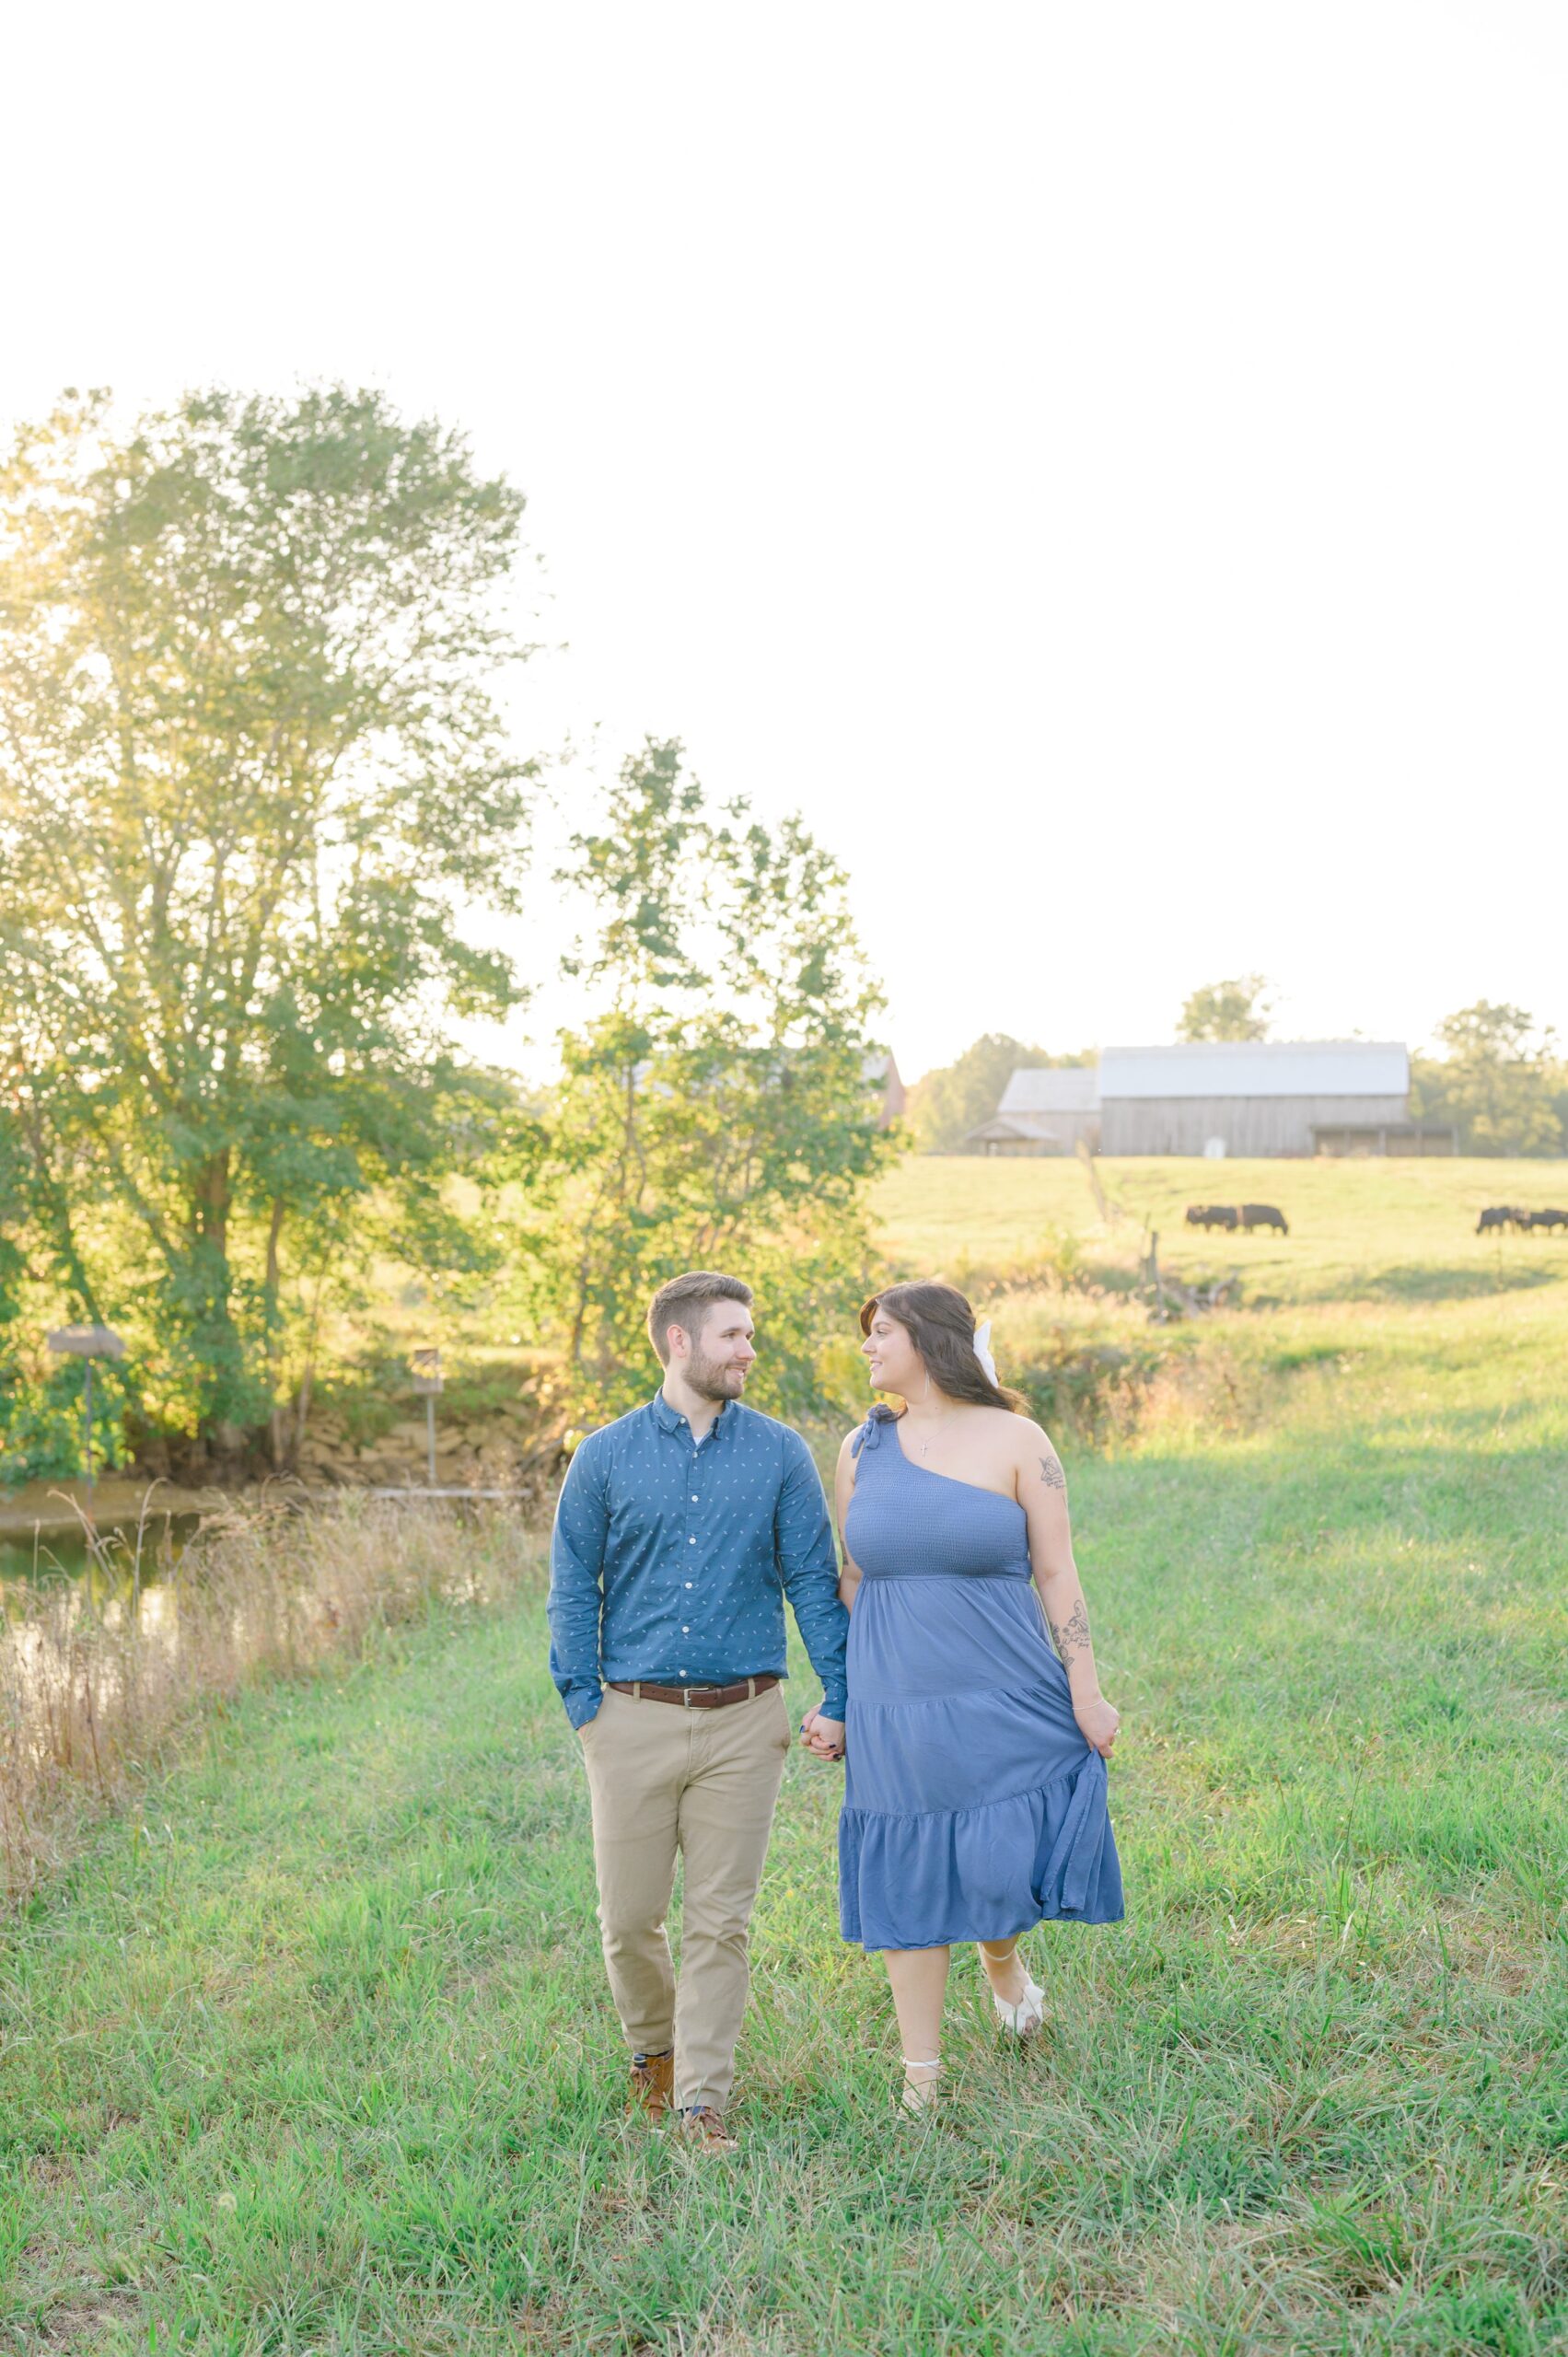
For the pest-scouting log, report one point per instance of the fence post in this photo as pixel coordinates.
(1152, 1268)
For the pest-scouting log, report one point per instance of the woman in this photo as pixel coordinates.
(975, 1794)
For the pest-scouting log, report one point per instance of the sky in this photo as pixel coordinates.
(1105, 467)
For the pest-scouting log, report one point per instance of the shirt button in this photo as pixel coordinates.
(688, 1583)
(690, 1542)
(693, 1497)
(680, 1672)
(686, 1632)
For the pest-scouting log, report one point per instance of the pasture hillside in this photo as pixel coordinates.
(311, 2052)
(1379, 1230)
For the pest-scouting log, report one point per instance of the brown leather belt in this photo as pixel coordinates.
(693, 1698)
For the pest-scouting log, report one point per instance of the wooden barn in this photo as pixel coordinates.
(1219, 1098)
(1043, 1110)
(1258, 1098)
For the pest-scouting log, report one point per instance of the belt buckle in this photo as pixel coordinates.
(686, 1698)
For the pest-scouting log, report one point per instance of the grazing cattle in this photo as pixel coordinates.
(1549, 1219)
(1212, 1215)
(1263, 1215)
(1501, 1215)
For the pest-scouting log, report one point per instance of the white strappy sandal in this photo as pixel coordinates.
(1023, 2019)
(919, 2096)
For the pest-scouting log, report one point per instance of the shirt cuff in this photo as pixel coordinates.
(835, 1701)
(582, 1702)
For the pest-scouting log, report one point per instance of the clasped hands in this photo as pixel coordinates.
(823, 1737)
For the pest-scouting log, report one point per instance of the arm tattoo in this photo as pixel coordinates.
(1051, 1471)
(1072, 1636)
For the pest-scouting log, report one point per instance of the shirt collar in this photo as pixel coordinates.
(669, 1420)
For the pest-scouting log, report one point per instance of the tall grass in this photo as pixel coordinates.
(96, 1674)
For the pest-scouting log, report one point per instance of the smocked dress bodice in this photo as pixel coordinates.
(907, 1522)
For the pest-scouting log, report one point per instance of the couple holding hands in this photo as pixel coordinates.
(975, 1747)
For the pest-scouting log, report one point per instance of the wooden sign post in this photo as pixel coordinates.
(87, 1342)
(425, 1368)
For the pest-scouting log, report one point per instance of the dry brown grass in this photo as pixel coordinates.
(96, 1675)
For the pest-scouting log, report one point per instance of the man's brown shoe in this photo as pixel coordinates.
(705, 2129)
(653, 2085)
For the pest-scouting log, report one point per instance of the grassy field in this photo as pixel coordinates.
(1373, 1232)
(311, 2052)
(1382, 1297)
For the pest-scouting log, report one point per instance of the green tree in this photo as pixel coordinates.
(1495, 1080)
(946, 1104)
(716, 1113)
(251, 774)
(12, 1252)
(1241, 1008)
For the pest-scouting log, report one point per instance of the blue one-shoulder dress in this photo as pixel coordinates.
(973, 1805)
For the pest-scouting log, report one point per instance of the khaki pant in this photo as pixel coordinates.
(704, 1783)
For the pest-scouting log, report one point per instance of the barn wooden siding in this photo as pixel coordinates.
(1260, 1125)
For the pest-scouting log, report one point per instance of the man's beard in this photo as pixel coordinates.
(714, 1378)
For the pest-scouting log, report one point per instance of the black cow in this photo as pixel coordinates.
(1263, 1215)
(1549, 1219)
(1212, 1215)
(1501, 1215)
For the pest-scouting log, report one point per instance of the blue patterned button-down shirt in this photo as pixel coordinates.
(671, 1558)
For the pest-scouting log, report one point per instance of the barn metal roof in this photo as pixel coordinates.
(1068, 1089)
(1256, 1068)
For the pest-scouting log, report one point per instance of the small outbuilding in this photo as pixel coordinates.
(1044, 1109)
(1386, 1137)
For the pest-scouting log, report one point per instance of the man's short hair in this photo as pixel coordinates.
(686, 1301)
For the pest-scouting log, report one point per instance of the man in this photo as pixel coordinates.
(680, 1530)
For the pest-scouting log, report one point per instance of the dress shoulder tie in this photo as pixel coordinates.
(870, 1434)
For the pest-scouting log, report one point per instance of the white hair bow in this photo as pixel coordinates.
(982, 1349)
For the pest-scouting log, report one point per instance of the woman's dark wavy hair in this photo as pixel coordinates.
(941, 1325)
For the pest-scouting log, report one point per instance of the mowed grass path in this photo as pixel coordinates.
(313, 2053)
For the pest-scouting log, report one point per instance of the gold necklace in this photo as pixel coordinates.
(925, 1444)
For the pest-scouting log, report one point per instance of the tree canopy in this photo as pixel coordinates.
(717, 1112)
(1241, 1008)
(1496, 1081)
(251, 772)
